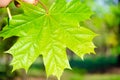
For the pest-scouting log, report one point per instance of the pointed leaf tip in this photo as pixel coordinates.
(49, 36)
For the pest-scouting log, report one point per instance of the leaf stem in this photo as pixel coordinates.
(44, 6)
(9, 13)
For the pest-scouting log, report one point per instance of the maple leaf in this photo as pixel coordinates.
(48, 34)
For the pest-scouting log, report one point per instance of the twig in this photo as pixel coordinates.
(9, 13)
(44, 6)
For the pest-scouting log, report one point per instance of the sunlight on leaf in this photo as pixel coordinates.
(49, 35)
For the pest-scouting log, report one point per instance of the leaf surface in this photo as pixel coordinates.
(49, 35)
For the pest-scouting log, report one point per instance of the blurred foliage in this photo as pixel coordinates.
(97, 64)
(105, 21)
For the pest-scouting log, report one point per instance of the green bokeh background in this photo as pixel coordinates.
(105, 65)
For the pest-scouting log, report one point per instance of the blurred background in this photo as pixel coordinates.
(105, 65)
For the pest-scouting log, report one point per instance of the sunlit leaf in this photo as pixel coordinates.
(49, 34)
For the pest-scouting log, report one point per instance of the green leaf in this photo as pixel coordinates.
(49, 34)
